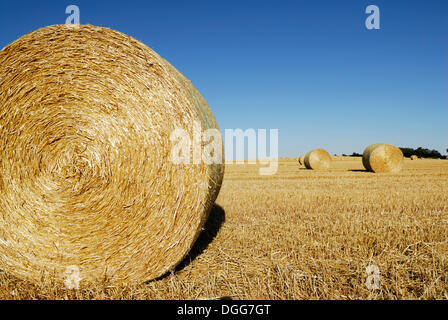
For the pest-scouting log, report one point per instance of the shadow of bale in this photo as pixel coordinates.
(212, 226)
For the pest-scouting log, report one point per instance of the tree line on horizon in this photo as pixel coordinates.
(407, 152)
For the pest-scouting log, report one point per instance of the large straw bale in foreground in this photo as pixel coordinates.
(87, 188)
(318, 159)
(382, 157)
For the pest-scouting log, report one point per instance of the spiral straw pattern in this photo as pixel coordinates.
(86, 181)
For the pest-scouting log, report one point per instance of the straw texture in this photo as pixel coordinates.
(382, 157)
(86, 181)
(318, 159)
(365, 156)
(302, 160)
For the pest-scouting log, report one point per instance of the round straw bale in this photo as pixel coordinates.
(365, 158)
(318, 159)
(87, 185)
(302, 160)
(382, 157)
(414, 157)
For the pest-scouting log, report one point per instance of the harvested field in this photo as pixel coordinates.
(303, 234)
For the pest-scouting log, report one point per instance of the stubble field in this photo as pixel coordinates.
(304, 234)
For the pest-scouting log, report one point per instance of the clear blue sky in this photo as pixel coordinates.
(309, 68)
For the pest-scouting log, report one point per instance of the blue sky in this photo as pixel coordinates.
(309, 68)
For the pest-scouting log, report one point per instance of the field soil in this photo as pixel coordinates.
(303, 234)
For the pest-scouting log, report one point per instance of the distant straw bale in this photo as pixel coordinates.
(382, 157)
(318, 159)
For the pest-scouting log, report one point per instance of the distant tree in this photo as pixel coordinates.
(407, 152)
(355, 154)
(421, 153)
